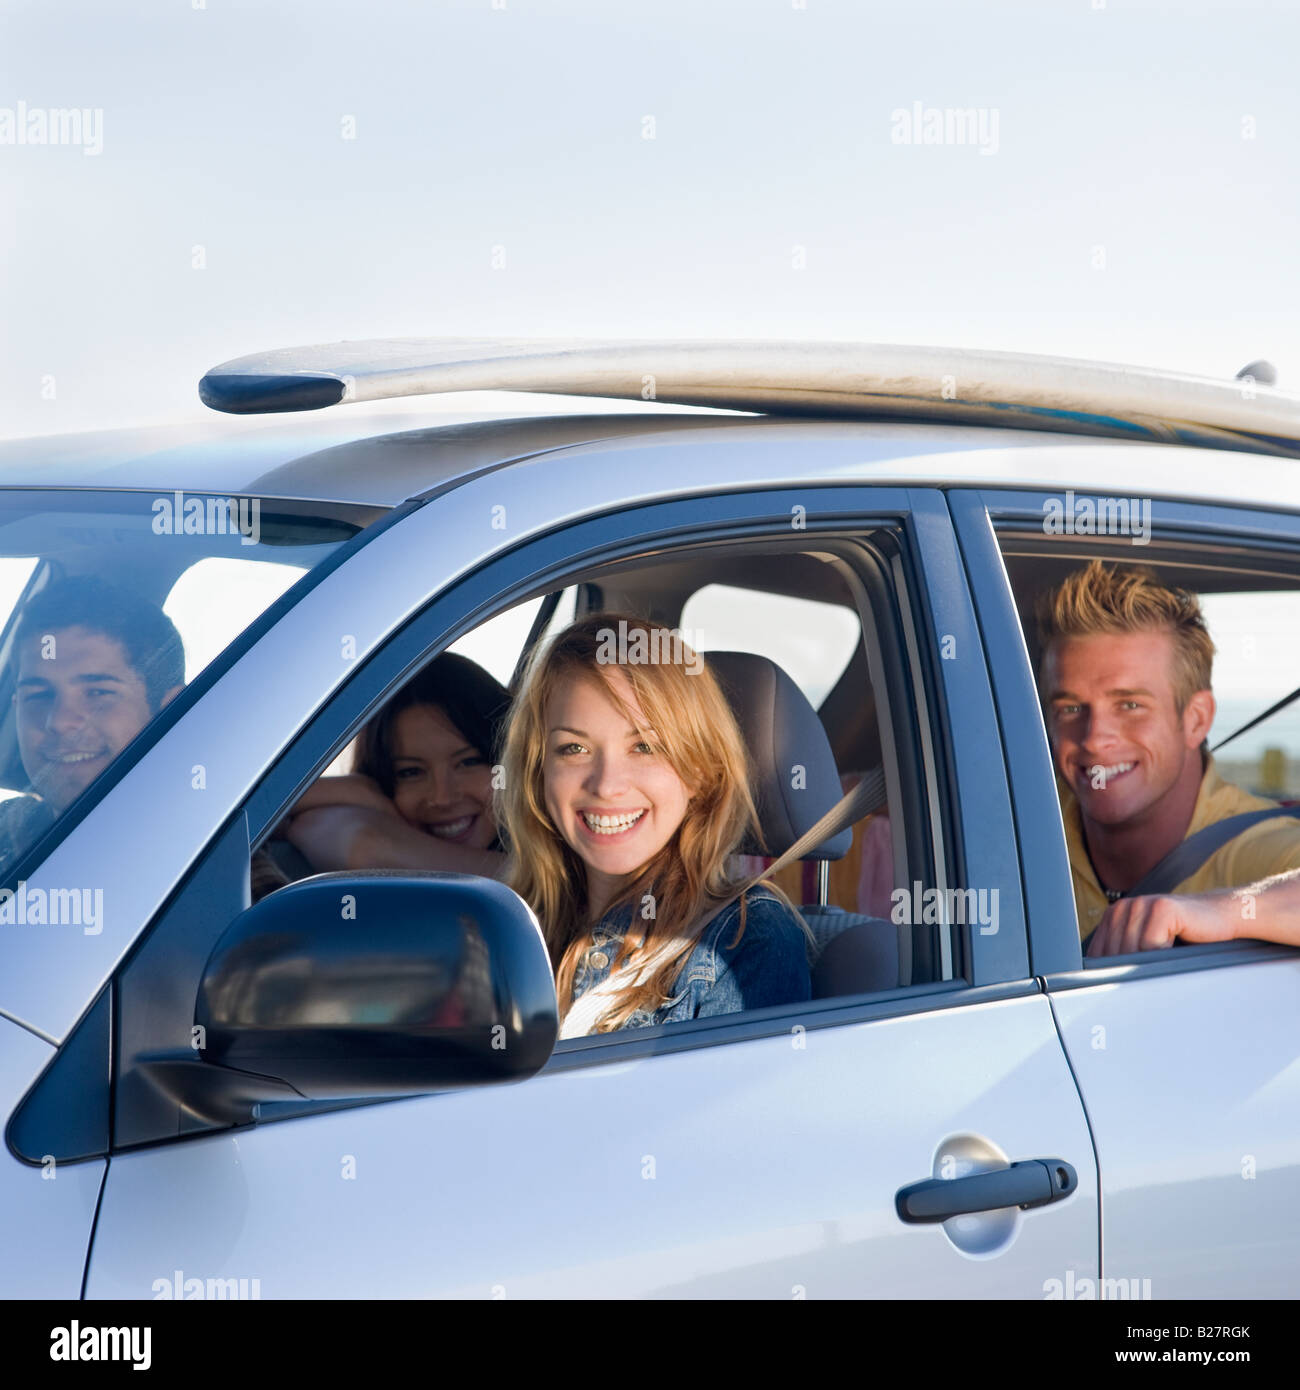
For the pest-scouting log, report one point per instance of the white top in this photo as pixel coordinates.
(592, 1006)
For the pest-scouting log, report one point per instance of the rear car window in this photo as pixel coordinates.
(812, 642)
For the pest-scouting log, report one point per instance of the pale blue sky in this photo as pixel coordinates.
(522, 127)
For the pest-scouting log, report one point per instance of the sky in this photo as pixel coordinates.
(264, 173)
(252, 174)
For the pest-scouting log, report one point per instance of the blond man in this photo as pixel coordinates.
(1125, 683)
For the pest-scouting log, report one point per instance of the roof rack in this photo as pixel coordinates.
(845, 380)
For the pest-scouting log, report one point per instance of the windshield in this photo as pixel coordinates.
(110, 605)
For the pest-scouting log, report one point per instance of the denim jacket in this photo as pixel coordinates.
(768, 966)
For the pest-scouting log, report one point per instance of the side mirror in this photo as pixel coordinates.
(369, 984)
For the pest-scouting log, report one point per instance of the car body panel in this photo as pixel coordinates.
(1192, 1084)
(763, 1169)
(47, 1213)
(363, 459)
(1040, 832)
(380, 461)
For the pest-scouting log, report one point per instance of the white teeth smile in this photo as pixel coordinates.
(74, 758)
(1107, 773)
(611, 825)
(448, 830)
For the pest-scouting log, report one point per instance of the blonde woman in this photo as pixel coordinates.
(626, 792)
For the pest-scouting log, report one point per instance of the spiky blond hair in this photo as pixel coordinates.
(1102, 598)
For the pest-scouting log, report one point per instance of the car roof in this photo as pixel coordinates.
(344, 461)
(363, 458)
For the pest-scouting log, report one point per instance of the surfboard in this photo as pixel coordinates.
(855, 380)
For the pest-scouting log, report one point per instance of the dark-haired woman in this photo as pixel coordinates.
(420, 793)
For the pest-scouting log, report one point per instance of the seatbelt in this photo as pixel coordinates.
(869, 795)
(1186, 858)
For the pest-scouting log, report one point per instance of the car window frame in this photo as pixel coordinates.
(35, 854)
(262, 819)
(937, 600)
(978, 515)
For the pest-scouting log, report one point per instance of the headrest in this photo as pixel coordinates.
(796, 781)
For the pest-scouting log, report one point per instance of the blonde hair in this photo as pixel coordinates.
(1129, 598)
(694, 726)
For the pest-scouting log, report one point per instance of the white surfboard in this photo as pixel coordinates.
(864, 380)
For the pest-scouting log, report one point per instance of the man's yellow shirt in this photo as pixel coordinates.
(1271, 847)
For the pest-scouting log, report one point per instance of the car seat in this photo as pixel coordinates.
(795, 783)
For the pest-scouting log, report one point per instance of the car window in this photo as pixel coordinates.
(110, 604)
(15, 572)
(813, 642)
(215, 599)
(1256, 664)
(496, 644)
(1250, 603)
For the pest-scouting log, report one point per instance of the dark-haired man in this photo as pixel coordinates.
(95, 665)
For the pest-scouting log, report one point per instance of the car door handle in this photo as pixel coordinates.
(1032, 1183)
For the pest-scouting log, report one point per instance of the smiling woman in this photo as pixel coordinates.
(626, 792)
(420, 792)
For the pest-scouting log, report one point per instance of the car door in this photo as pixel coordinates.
(752, 1155)
(47, 1208)
(1186, 1059)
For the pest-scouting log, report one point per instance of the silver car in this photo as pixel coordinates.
(208, 1096)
